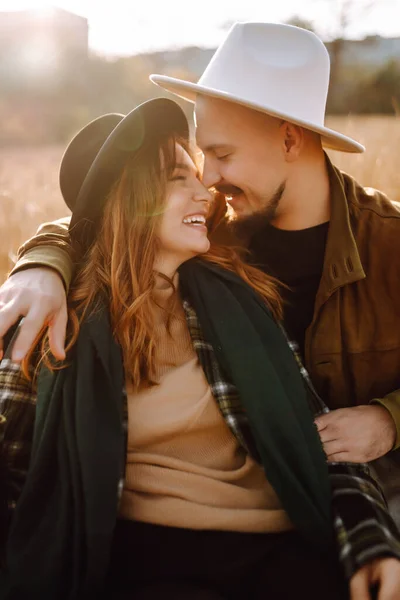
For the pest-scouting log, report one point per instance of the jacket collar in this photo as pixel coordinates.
(342, 263)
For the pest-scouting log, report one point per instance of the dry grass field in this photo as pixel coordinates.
(29, 192)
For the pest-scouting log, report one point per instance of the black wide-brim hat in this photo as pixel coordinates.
(96, 156)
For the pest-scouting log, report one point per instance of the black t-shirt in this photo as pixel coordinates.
(295, 258)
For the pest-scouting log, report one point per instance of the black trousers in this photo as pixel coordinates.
(151, 562)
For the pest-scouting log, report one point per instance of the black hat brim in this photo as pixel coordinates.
(153, 120)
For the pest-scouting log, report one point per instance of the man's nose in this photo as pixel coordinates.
(211, 175)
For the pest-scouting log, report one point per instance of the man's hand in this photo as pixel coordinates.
(357, 434)
(383, 574)
(38, 295)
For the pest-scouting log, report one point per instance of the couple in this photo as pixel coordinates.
(177, 448)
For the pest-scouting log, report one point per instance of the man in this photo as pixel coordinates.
(260, 124)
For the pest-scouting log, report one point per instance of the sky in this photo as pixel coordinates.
(134, 26)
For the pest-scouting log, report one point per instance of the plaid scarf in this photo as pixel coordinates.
(255, 356)
(363, 528)
(63, 522)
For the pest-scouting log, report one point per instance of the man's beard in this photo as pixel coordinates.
(248, 225)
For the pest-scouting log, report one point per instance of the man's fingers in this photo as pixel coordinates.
(31, 328)
(38, 295)
(335, 447)
(323, 421)
(327, 435)
(359, 585)
(340, 457)
(29, 331)
(9, 316)
(57, 333)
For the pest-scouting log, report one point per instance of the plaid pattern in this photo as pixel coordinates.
(17, 418)
(364, 529)
(17, 407)
(223, 391)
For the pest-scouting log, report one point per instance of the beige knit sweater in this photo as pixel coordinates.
(185, 468)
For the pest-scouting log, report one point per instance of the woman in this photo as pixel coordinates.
(174, 453)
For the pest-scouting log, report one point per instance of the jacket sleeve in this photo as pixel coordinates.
(49, 247)
(392, 403)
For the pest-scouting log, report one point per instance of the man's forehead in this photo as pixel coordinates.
(207, 108)
(214, 126)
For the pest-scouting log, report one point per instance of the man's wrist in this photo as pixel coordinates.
(391, 403)
(49, 257)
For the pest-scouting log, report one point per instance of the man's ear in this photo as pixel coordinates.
(293, 139)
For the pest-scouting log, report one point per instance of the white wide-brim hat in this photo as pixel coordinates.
(277, 69)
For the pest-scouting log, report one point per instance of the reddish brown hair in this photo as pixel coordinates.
(119, 265)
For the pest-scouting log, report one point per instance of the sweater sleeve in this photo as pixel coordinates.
(49, 247)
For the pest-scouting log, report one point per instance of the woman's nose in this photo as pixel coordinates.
(202, 194)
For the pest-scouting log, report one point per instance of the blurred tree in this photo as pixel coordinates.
(51, 106)
(341, 15)
(379, 93)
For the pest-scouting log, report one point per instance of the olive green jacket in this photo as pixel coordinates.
(352, 347)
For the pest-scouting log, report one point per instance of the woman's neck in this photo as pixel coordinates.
(163, 282)
(166, 266)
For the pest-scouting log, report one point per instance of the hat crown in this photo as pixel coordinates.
(280, 70)
(80, 154)
(281, 67)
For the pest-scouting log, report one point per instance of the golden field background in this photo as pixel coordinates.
(29, 193)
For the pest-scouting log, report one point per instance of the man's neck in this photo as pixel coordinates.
(306, 201)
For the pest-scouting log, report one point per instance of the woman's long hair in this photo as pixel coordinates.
(119, 265)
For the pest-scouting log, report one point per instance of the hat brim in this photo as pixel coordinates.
(188, 91)
(152, 121)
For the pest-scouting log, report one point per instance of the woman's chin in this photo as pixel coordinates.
(198, 250)
(203, 247)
